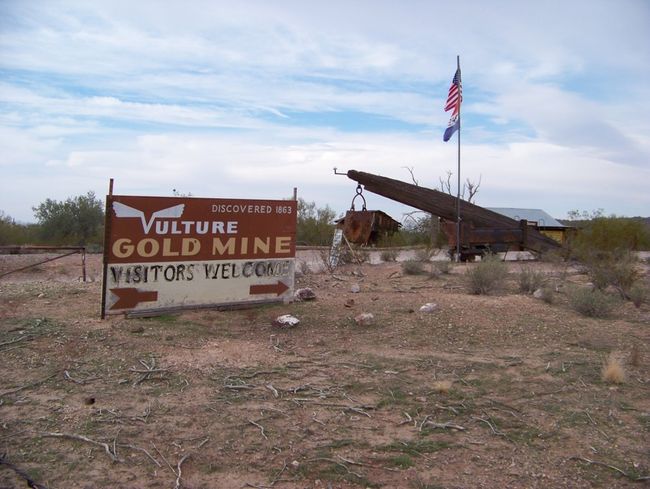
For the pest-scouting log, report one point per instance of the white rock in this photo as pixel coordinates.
(429, 307)
(286, 321)
(538, 294)
(365, 319)
(355, 288)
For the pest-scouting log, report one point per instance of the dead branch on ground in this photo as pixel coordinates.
(164, 459)
(614, 468)
(178, 468)
(26, 386)
(11, 342)
(140, 449)
(336, 462)
(67, 375)
(149, 369)
(20, 473)
(260, 427)
(441, 426)
(491, 425)
(71, 436)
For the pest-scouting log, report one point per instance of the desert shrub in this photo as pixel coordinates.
(548, 293)
(423, 254)
(617, 269)
(590, 302)
(530, 280)
(303, 267)
(353, 255)
(487, 276)
(638, 294)
(552, 256)
(600, 233)
(389, 255)
(443, 267)
(613, 371)
(314, 224)
(13, 233)
(412, 267)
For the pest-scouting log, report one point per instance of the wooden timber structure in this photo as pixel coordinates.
(481, 230)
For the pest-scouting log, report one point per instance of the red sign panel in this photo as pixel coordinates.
(171, 252)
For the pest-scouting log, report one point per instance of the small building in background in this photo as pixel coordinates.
(367, 228)
(539, 219)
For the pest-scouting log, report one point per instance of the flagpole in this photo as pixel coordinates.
(458, 195)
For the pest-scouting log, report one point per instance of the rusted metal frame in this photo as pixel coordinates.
(77, 249)
(15, 250)
(443, 205)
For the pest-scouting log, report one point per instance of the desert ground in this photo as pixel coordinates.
(483, 391)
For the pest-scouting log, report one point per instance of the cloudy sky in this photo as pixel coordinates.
(250, 99)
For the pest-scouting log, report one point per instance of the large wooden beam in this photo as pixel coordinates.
(444, 205)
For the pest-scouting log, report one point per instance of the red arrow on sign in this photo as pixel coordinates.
(277, 288)
(129, 297)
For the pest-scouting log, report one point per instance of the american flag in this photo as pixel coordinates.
(454, 99)
(455, 96)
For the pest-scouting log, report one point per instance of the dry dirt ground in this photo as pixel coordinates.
(499, 391)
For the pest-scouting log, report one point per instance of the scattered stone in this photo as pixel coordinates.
(286, 321)
(295, 464)
(365, 319)
(355, 288)
(429, 307)
(538, 294)
(304, 294)
(349, 303)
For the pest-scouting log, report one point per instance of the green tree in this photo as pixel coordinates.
(78, 220)
(598, 233)
(13, 233)
(315, 224)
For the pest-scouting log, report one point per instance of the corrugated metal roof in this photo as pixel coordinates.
(543, 219)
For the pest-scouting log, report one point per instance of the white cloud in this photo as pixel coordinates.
(225, 98)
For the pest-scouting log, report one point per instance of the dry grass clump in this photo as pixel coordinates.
(389, 255)
(442, 386)
(615, 269)
(548, 293)
(638, 294)
(530, 280)
(590, 302)
(442, 266)
(487, 276)
(613, 371)
(635, 355)
(413, 267)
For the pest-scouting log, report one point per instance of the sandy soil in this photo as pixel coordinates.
(498, 391)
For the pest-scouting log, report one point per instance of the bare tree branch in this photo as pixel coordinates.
(410, 170)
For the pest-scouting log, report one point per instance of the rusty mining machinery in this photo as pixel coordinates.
(481, 230)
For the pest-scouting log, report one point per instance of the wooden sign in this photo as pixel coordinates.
(170, 253)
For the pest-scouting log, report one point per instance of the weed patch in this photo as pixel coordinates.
(487, 276)
(590, 302)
